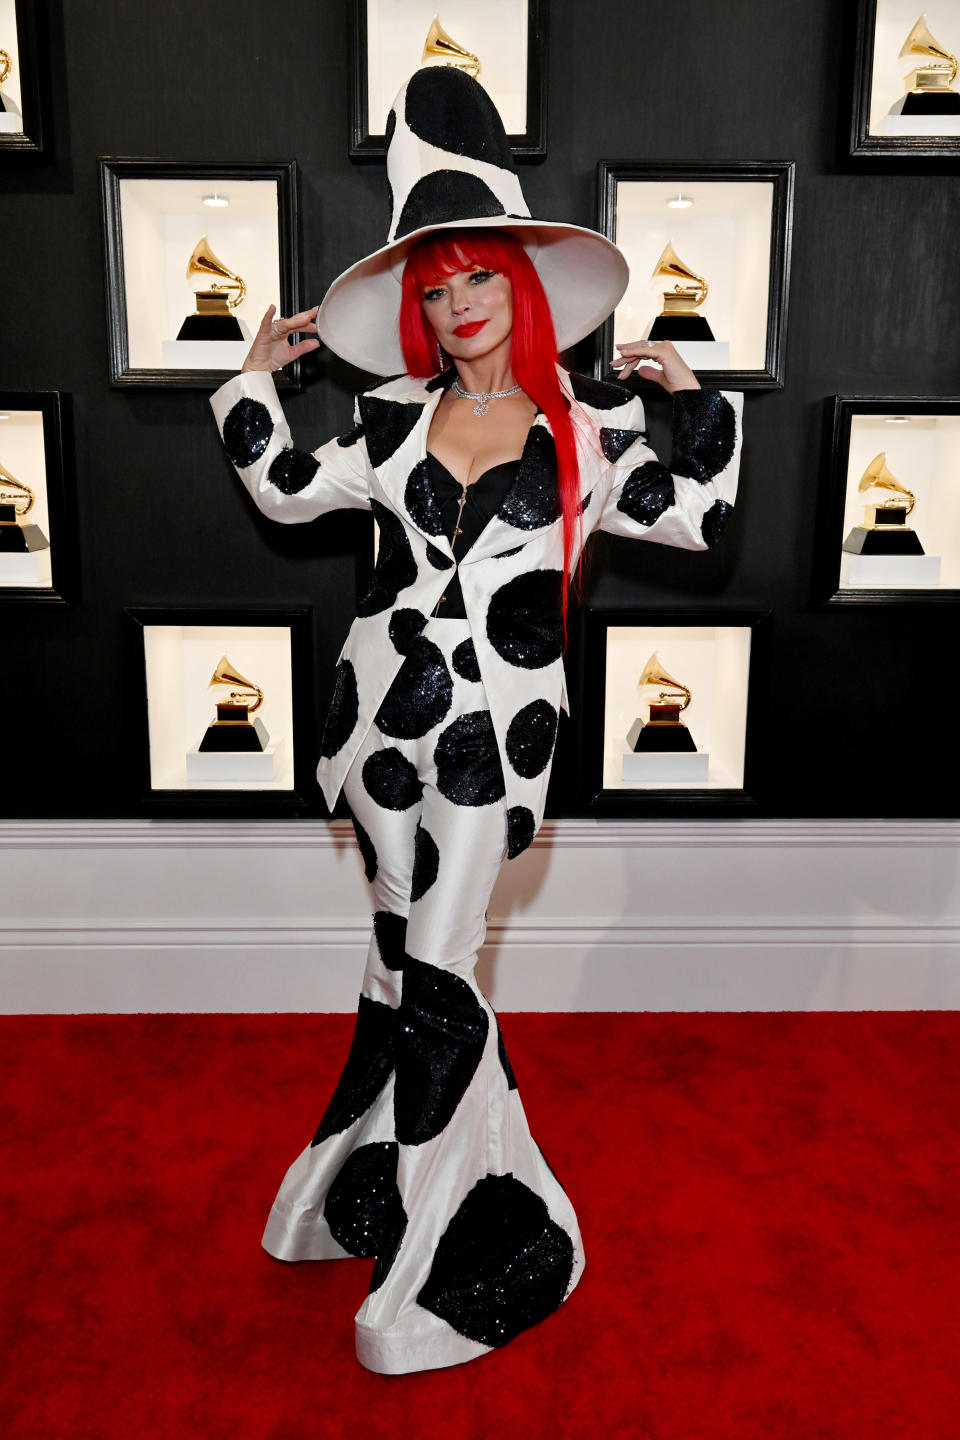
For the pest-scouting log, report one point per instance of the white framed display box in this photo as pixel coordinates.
(37, 545)
(155, 214)
(712, 656)
(21, 111)
(727, 223)
(885, 121)
(179, 652)
(915, 441)
(507, 37)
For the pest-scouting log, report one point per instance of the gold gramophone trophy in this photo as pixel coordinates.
(212, 319)
(16, 501)
(678, 318)
(441, 47)
(929, 87)
(232, 730)
(664, 731)
(884, 530)
(6, 65)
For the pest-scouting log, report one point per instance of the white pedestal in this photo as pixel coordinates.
(204, 354)
(665, 768)
(705, 354)
(31, 568)
(921, 125)
(11, 121)
(242, 767)
(889, 572)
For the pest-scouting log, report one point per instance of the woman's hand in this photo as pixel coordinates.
(675, 374)
(271, 349)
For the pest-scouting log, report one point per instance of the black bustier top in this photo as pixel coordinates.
(484, 498)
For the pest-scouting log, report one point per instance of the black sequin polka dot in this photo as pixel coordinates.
(362, 1203)
(714, 522)
(599, 394)
(704, 434)
(420, 500)
(501, 1265)
(445, 108)
(436, 197)
(343, 712)
(615, 442)
(464, 660)
(246, 431)
(365, 845)
(394, 1232)
(521, 828)
(437, 559)
(396, 568)
(533, 499)
(440, 382)
(389, 128)
(391, 780)
(426, 863)
(391, 936)
(505, 1060)
(647, 492)
(350, 438)
(405, 626)
(441, 1033)
(530, 738)
(468, 761)
(524, 621)
(386, 424)
(292, 471)
(368, 1067)
(420, 695)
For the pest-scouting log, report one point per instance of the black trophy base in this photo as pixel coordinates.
(680, 327)
(931, 102)
(660, 739)
(885, 540)
(22, 539)
(3, 107)
(210, 327)
(234, 736)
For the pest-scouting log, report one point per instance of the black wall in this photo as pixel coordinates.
(853, 719)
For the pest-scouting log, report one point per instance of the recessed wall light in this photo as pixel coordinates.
(680, 202)
(215, 201)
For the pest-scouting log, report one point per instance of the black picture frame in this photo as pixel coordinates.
(839, 413)
(668, 802)
(778, 173)
(61, 498)
(863, 145)
(531, 144)
(222, 803)
(31, 142)
(115, 169)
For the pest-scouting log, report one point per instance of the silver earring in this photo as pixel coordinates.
(439, 355)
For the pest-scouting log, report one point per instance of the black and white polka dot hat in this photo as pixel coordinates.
(449, 167)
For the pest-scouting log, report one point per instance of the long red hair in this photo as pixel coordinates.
(533, 345)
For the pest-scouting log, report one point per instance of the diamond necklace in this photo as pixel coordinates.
(481, 407)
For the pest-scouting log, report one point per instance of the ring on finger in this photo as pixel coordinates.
(278, 333)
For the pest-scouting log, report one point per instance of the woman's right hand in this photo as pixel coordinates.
(271, 349)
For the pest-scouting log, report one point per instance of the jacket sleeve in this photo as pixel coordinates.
(690, 503)
(287, 484)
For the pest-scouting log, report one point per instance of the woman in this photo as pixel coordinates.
(486, 466)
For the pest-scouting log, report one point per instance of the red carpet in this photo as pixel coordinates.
(770, 1206)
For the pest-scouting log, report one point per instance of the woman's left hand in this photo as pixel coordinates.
(675, 373)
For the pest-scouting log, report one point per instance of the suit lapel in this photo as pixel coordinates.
(396, 428)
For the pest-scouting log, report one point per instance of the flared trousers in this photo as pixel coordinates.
(423, 1158)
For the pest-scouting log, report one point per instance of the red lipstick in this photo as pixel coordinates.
(471, 329)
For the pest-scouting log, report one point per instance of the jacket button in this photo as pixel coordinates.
(441, 600)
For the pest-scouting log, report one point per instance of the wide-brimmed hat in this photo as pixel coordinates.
(449, 167)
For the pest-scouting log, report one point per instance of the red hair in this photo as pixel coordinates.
(533, 345)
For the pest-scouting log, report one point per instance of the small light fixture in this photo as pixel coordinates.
(4, 417)
(680, 202)
(215, 201)
(896, 419)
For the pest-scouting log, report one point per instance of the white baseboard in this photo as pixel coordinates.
(725, 915)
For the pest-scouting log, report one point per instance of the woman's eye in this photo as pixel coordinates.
(433, 294)
(478, 276)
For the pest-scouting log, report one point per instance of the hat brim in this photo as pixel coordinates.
(583, 274)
